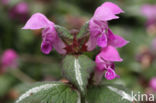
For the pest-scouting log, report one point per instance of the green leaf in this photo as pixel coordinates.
(84, 30)
(77, 69)
(63, 32)
(49, 92)
(6, 82)
(108, 94)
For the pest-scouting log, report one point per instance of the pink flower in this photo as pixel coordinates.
(104, 62)
(153, 83)
(50, 38)
(149, 12)
(19, 11)
(101, 35)
(9, 59)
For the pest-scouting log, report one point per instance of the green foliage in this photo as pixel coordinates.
(6, 82)
(108, 94)
(49, 92)
(84, 30)
(77, 69)
(63, 32)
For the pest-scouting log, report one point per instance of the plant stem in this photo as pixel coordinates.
(83, 100)
(21, 76)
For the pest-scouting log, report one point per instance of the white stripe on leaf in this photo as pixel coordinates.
(36, 90)
(78, 73)
(121, 93)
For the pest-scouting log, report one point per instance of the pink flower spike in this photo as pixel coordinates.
(9, 59)
(153, 83)
(110, 54)
(38, 21)
(149, 11)
(110, 74)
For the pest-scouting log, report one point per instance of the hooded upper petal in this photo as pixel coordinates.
(38, 21)
(110, 54)
(114, 8)
(107, 11)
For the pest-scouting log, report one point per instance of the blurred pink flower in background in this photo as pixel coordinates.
(149, 11)
(153, 83)
(9, 59)
(19, 11)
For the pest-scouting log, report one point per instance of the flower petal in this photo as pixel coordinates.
(115, 9)
(110, 54)
(116, 40)
(37, 21)
(59, 45)
(91, 44)
(46, 47)
(104, 14)
(110, 74)
(107, 11)
(102, 41)
(119, 42)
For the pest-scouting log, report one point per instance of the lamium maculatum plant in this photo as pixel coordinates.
(84, 75)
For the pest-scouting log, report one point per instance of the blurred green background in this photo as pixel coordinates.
(137, 69)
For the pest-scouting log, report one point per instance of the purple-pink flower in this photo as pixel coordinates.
(153, 83)
(9, 59)
(149, 12)
(50, 38)
(19, 11)
(105, 62)
(100, 34)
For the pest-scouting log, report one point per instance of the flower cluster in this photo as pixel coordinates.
(9, 59)
(100, 35)
(50, 38)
